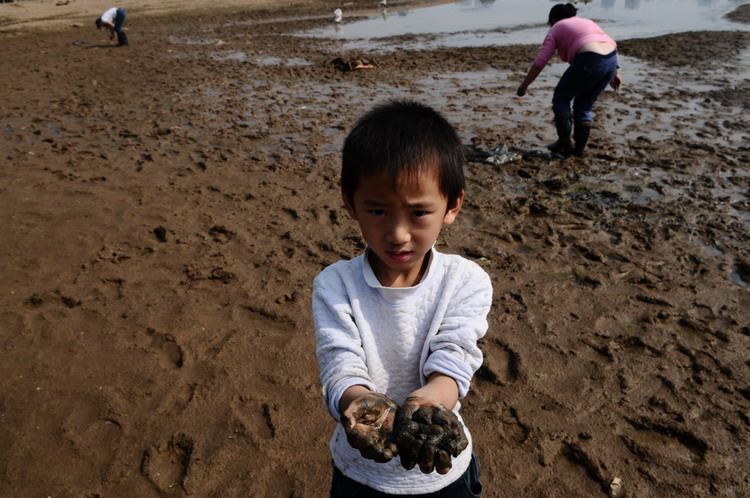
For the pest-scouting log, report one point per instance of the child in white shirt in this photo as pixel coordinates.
(397, 327)
(113, 20)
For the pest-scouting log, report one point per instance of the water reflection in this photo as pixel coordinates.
(486, 22)
(634, 4)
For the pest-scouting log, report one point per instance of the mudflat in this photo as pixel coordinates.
(165, 207)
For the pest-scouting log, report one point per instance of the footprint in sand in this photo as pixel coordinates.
(166, 465)
(169, 350)
(501, 364)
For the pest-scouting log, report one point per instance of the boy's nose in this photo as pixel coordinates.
(398, 233)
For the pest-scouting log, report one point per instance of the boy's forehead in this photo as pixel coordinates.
(404, 181)
(404, 177)
(418, 182)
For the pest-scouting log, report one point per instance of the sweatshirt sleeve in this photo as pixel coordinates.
(338, 343)
(454, 350)
(548, 49)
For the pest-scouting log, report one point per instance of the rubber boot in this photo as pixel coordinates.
(122, 39)
(581, 133)
(563, 125)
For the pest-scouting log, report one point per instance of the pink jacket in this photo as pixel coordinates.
(568, 36)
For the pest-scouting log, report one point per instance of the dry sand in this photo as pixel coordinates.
(58, 14)
(166, 206)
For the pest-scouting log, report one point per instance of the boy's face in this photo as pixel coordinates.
(400, 225)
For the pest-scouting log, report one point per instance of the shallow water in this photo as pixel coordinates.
(489, 22)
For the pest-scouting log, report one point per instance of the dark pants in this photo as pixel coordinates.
(583, 82)
(467, 486)
(119, 20)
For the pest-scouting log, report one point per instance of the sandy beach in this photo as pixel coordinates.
(166, 205)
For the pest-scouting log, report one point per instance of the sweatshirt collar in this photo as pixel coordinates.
(394, 294)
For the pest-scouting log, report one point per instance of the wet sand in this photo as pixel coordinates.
(167, 205)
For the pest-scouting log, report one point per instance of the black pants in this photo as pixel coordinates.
(467, 486)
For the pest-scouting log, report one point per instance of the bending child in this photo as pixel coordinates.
(397, 327)
(592, 55)
(113, 20)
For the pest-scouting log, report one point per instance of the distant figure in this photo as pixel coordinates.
(337, 15)
(113, 19)
(592, 56)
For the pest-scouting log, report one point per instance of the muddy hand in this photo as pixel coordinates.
(368, 423)
(616, 82)
(428, 434)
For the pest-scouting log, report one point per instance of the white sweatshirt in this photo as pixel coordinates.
(109, 15)
(391, 340)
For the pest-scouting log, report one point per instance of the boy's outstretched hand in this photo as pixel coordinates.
(368, 423)
(428, 434)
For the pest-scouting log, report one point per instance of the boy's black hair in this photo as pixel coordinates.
(403, 137)
(99, 22)
(561, 11)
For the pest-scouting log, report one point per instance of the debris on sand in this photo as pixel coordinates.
(615, 488)
(354, 64)
(501, 154)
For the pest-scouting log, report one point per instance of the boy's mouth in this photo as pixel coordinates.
(399, 256)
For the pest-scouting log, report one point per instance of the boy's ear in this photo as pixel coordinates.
(348, 205)
(452, 212)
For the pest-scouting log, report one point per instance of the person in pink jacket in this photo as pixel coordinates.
(592, 56)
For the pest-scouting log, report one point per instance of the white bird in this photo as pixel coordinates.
(383, 3)
(337, 15)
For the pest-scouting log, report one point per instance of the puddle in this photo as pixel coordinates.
(487, 22)
(41, 131)
(643, 185)
(235, 56)
(709, 249)
(741, 275)
(629, 121)
(259, 60)
(736, 277)
(190, 41)
(626, 119)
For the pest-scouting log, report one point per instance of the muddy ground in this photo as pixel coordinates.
(166, 206)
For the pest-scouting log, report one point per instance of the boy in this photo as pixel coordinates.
(399, 324)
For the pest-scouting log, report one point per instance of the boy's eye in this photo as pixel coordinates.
(376, 212)
(420, 213)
